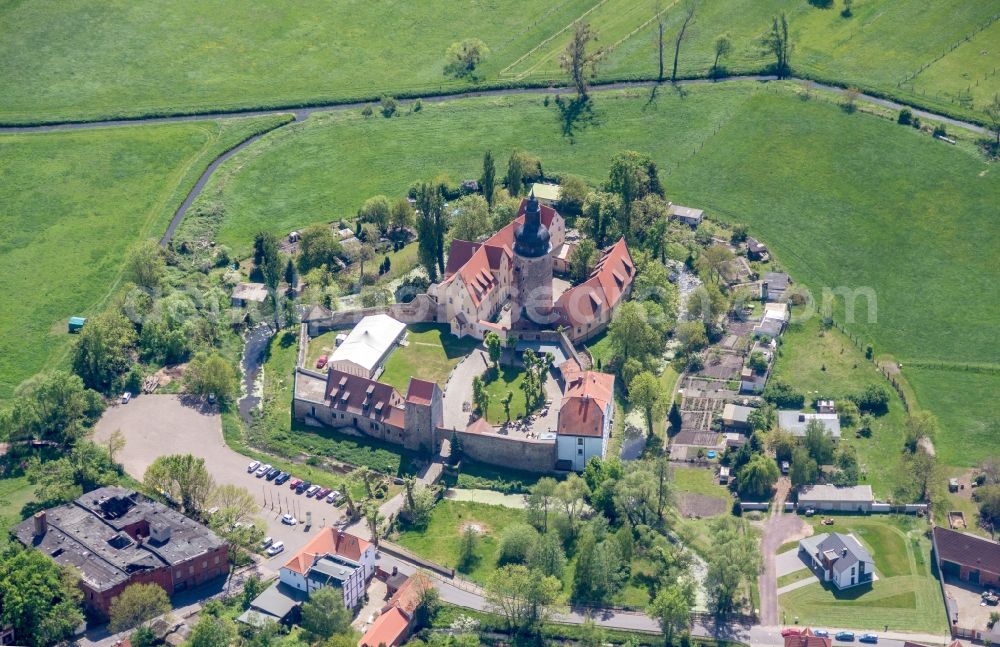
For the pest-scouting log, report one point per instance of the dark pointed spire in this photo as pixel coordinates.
(532, 238)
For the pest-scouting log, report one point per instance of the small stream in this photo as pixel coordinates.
(254, 354)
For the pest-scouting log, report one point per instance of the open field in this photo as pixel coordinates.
(439, 542)
(966, 75)
(906, 594)
(430, 355)
(885, 196)
(824, 363)
(70, 61)
(73, 202)
(969, 423)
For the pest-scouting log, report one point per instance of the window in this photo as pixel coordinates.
(579, 441)
(216, 560)
(204, 564)
(579, 452)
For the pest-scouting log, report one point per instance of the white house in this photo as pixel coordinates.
(585, 415)
(839, 559)
(367, 346)
(332, 558)
(688, 215)
(795, 422)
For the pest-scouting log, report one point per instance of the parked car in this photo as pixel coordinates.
(321, 362)
(332, 497)
(846, 636)
(252, 467)
(822, 633)
(282, 478)
(294, 484)
(289, 520)
(322, 493)
(272, 474)
(312, 491)
(276, 548)
(126, 397)
(868, 638)
(790, 631)
(303, 486)
(262, 470)
(267, 542)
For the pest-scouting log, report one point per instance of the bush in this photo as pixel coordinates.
(418, 105)
(874, 399)
(782, 395)
(388, 106)
(939, 131)
(905, 117)
(367, 111)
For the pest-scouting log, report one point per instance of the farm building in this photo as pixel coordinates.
(734, 416)
(967, 557)
(858, 498)
(756, 250)
(367, 346)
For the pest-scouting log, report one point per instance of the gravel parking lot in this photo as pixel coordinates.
(158, 425)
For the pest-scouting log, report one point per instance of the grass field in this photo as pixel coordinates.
(906, 595)
(15, 493)
(824, 363)
(73, 202)
(969, 423)
(69, 61)
(430, 355)
(899, 213)
(439, 542)
(796, 576)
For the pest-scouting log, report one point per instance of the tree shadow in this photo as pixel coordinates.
(575, 114)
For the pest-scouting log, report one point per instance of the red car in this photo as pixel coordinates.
(322, 493)
(790, 631)
(294, 483)
(321, 362)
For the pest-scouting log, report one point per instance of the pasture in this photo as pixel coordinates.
(69, 61)
(73, 202)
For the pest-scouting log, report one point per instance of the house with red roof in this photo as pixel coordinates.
(332, 558)
(585, 310)
(585, 416)
(807, 639)
(398, 617)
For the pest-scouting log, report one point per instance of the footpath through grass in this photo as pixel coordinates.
(905, 597)
(73, 203)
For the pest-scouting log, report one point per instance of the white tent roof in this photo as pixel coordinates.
(370, 340)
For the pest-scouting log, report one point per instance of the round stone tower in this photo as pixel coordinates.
(531, 296)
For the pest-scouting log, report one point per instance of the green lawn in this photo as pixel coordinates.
(509, 380)
(431, 354)
(73, 202)
(824, 363)
(71, 60)
(796, 576)
(15, 493)
(697, 480)
(809, 173)
(906, 595)
(325, 344)
(969, 422)
(439, 542)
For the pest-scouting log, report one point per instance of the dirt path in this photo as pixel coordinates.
(778, 529)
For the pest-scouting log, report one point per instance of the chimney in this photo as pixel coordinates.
(843, 553)
(395, 570)
(41, 523)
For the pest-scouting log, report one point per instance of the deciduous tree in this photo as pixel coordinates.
(723, 45)
(39, 599)
(324, 613)
(137, 605)
(687, 17)
(318, 248)
(208, 375)
(672, 609)
(463, 57)
(104, 350)
(144, 264)
(184, 478)
(470, 217)
(757, 477)
(578, 61)
(776, 42)
(523, 597)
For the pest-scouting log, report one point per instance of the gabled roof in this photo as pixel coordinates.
(407, 597)
(328, 541)
(967, 550)
(845, 550)
(388, 629)
(807, 639)
(584, 403)
(458, 255)
(363, 397)
(479, 426)
(610, 279)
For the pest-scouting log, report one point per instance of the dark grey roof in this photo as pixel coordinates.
(531, 238)
(89, 534)
(755, 245)
(333, 568)
(278, 600)
(839, 543)
(776, 280)
(769, 327)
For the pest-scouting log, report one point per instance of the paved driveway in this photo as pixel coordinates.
(458, 390)
(158, 425)
(788, 562)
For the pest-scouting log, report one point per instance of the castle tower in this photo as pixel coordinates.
(531, 296)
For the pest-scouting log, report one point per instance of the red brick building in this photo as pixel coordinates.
(115, 537)
(967, 557)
